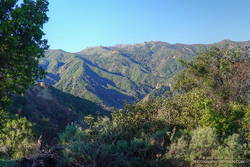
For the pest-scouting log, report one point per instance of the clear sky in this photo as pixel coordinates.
(77, 24)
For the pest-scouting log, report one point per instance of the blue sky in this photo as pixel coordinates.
(77, 24)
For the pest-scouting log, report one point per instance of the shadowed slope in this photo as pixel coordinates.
(50, 109)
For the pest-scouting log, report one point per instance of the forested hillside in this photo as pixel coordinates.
(121, 74)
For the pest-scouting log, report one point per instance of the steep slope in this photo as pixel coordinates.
(50, 109)
(120, 74)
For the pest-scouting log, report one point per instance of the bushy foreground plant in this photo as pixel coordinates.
(202, 146)
(131, 138)
(16, 139)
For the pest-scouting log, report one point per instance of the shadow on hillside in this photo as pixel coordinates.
(100, 86)
(111, 97)
(50, 109)
(100, 68)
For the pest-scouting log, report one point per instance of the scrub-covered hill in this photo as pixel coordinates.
(113, 76)
(50, 109)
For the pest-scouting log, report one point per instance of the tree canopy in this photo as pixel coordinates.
(21, 45)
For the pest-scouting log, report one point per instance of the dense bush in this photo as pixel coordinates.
(131, 138)
(16, 139)
(204, 144)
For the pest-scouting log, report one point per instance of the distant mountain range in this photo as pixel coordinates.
(116, 75)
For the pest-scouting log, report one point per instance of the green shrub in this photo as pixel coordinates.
(16, 138)
(203, 144)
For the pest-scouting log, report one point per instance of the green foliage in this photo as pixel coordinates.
(221, 112)
(184, 109)
(121, 153)
(246, 123)
(204, 144)
(222, 73)
(139, 135)
(198, 145)
(228, 125)
(232, 148)
(140, 121)
(195, 108)
(21, 45)
(195, 123)
(133, 137)
(16, 138)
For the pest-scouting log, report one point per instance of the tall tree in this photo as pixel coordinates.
(21, 45)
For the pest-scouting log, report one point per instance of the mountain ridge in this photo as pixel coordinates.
(116, 75)
(153, 41)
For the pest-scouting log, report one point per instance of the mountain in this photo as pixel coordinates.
(113, 76)
(50, 109)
